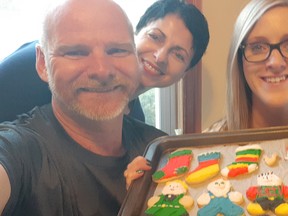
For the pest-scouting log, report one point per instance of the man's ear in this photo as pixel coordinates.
(40, 64)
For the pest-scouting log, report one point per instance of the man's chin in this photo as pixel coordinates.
(101, 113)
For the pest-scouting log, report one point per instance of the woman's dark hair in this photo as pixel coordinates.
(193, 19)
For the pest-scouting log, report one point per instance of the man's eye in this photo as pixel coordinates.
(76, 54)
(118, 52)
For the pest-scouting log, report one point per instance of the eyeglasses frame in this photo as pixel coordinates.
(271, 48)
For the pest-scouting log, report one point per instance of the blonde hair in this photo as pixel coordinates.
(238, 92)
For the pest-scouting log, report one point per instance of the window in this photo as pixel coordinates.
(21, 22)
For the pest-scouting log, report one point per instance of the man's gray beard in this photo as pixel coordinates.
(104, 114)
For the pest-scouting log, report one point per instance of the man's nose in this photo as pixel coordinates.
(100, 66)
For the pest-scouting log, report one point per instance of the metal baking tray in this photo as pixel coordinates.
(142, 189)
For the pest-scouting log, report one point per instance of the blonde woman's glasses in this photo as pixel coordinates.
(259, 51)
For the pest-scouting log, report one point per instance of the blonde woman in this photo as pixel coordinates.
(257, 69)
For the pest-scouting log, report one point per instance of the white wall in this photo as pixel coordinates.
(221, 15)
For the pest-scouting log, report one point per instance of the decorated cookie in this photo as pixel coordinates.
(247, 159)
(178, 165)
(271, 161)
(268, 195)
(208, 167)
(172, 202)
(220, 199)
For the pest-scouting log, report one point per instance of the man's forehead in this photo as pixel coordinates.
(100, 15)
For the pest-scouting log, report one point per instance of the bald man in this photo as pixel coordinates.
(68, 157)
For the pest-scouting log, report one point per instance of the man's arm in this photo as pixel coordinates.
(5, 188)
